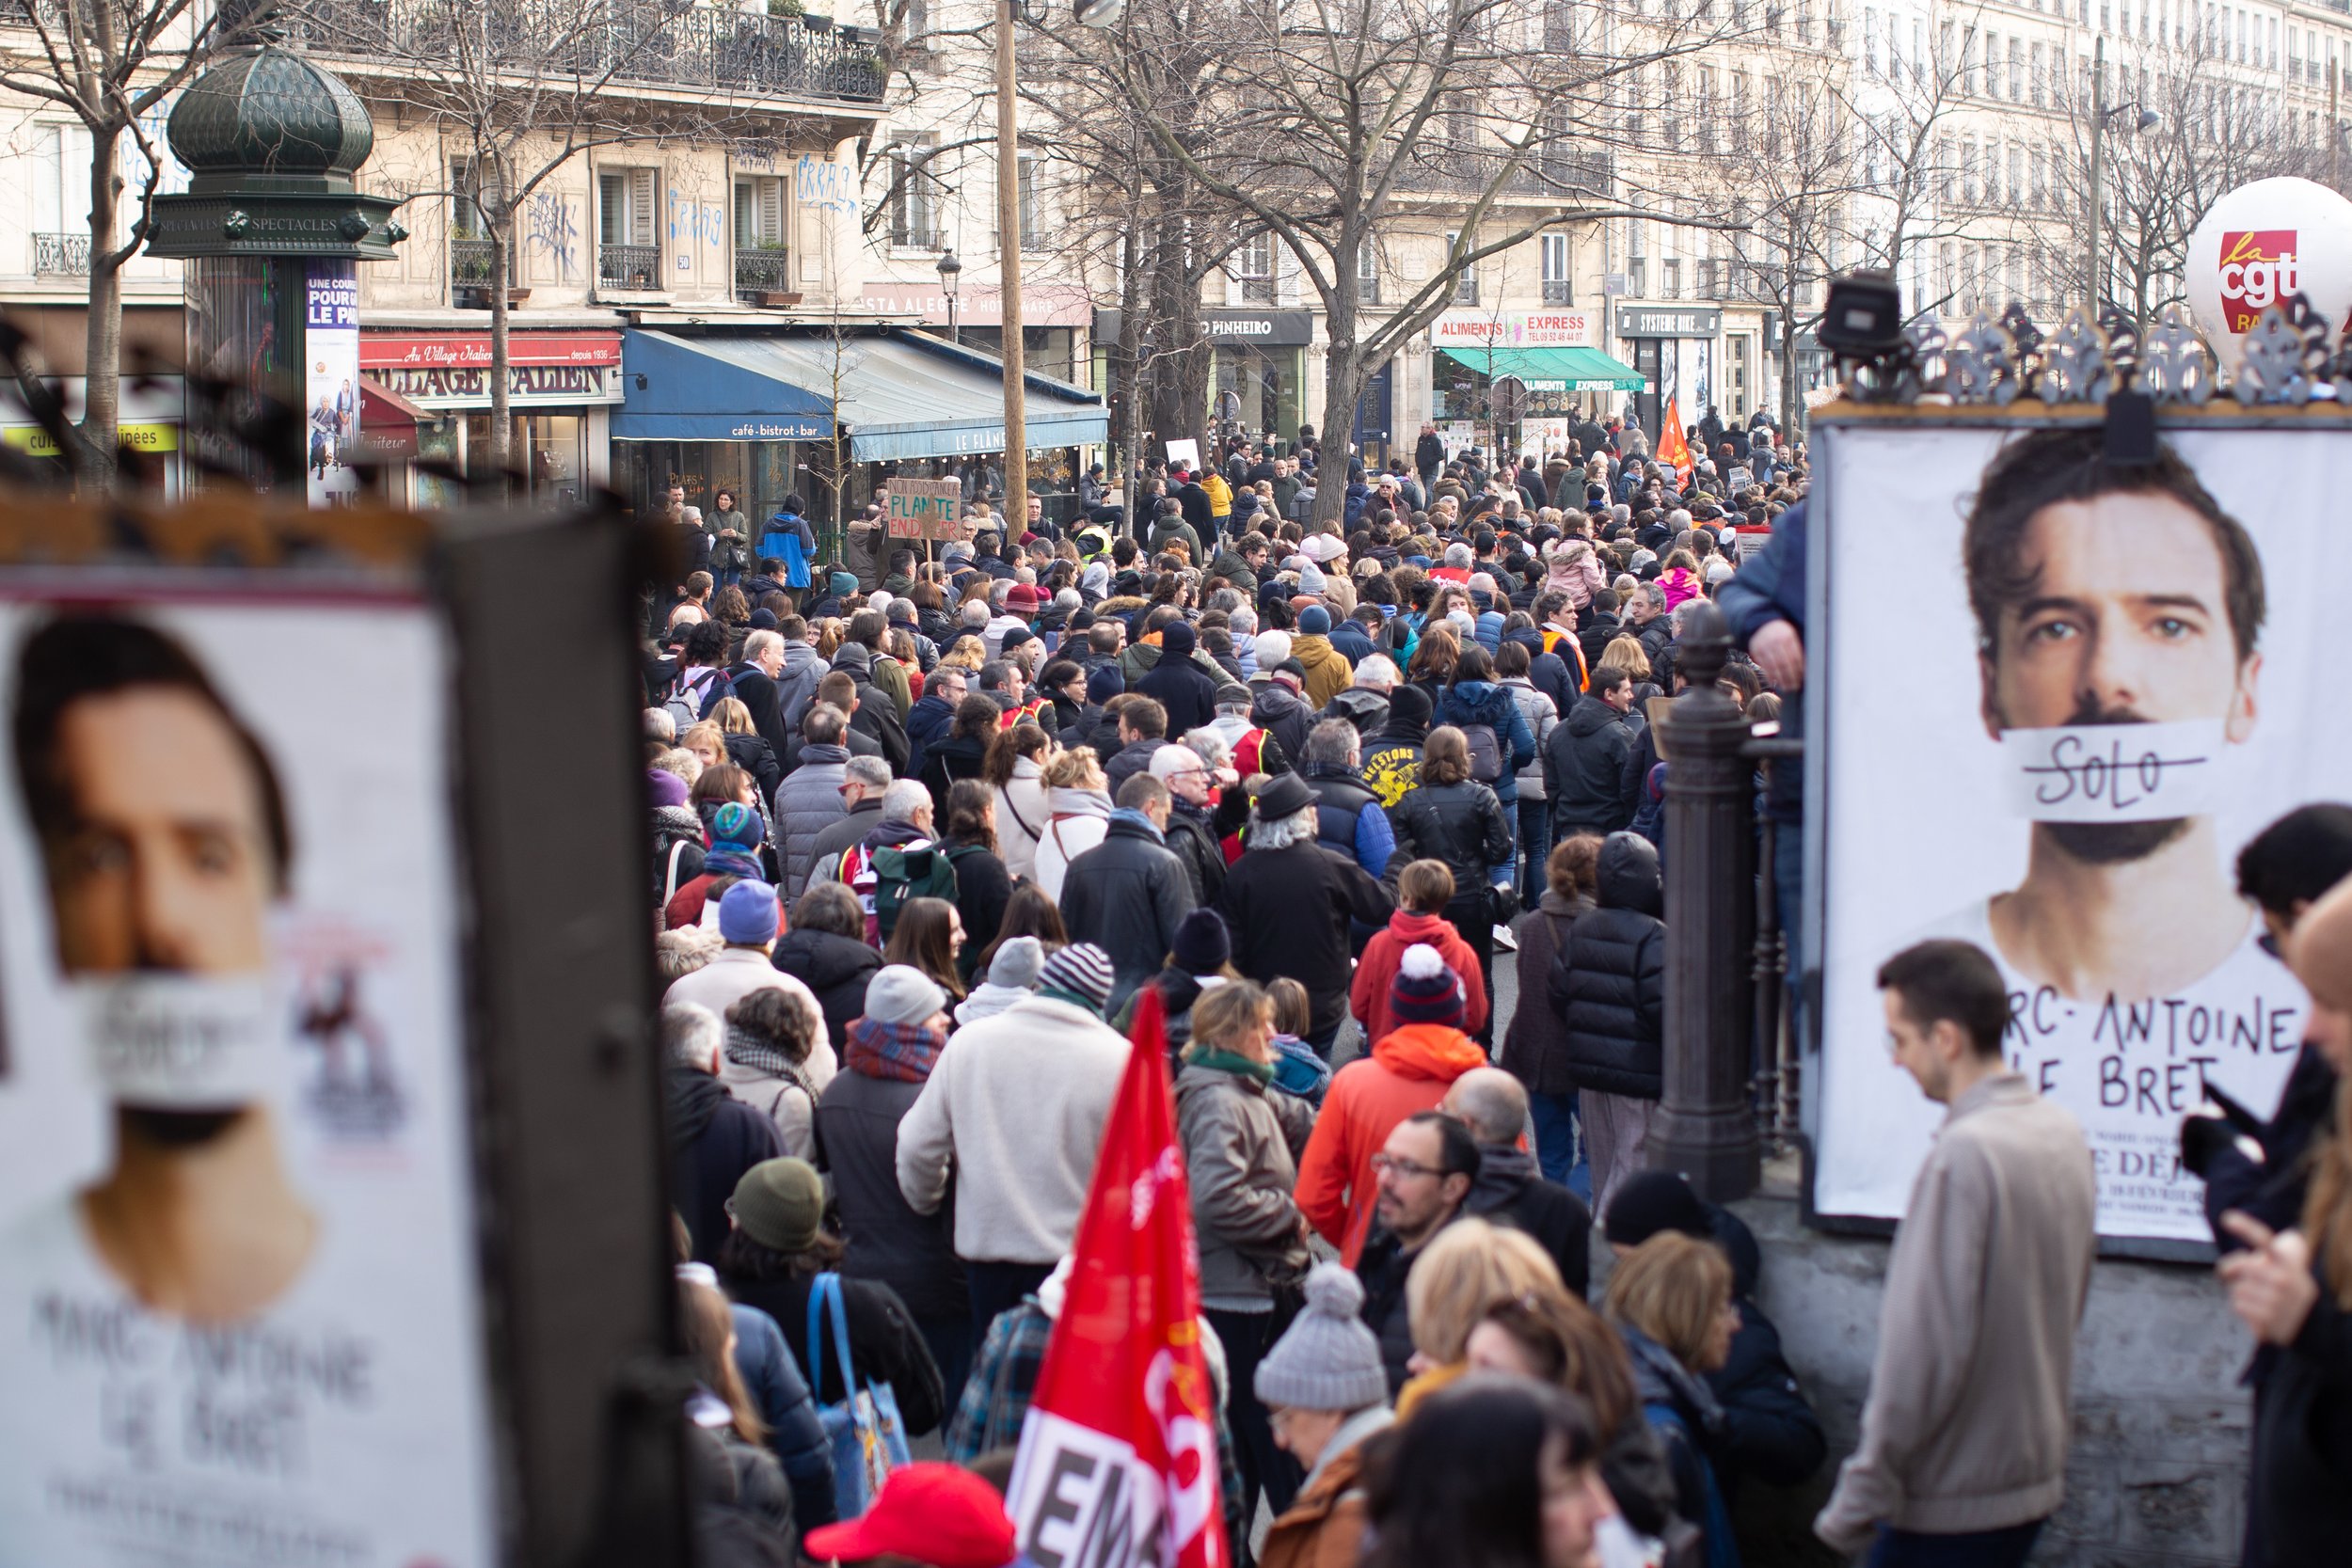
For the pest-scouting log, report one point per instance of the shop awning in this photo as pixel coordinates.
(1553, 370)
(388, 422)
(901, 395)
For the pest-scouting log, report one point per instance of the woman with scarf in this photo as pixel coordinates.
(1242, 1142)
(1671, 1299)
(777, 1060)
(884, 1064)
(737, 833)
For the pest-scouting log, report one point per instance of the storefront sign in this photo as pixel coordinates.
(528, 386)
(460, 350)
(33, 441)
(925, 507)
(1669, 320)
(981, 304)
(1268, 328)
(1514, 329)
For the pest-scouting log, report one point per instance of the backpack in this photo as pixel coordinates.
(687, 707)
(885, 880)
(1485, 753)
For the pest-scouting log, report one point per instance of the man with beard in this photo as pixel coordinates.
(2118, 612)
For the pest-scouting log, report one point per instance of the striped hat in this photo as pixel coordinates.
(1424, 989)
(1080, 973)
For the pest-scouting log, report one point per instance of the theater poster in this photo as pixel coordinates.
(2058, 694)
(240, 1301)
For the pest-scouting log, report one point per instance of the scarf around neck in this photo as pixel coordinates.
(1228, 1061)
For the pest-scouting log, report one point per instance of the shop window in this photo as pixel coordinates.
(627, 254)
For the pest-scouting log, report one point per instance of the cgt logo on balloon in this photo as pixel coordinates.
(2258, 270)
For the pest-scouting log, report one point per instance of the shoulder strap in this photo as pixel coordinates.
(823, 1289)
(669, 883)
(1030, 832)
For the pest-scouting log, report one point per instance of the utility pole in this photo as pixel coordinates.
(1009, 268)
(2335, 134)
(2098, 130)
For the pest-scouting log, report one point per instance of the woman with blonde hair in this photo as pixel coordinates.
(708, 742)
(1466, 1269)
(744, 746)
(1625, 652)
(1078, 814)
(1671, 1299)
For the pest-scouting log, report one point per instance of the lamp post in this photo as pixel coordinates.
(950, 272)
(2144, 120)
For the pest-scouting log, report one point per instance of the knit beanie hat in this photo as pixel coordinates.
(1327, 1359)
(1105, 684)
(1314, 621)
(1018, 962)
(780, 1204)
(842, 583)
(1653, 1202)
(747, 915)
(1081, 973)
(1203, 945)
(666, 787)
(900, 993)
(737, 824)
(1424, 989)
(1177, 638)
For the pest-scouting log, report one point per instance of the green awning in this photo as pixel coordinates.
(1552, 370)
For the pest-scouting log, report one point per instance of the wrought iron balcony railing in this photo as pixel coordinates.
(629, 266)
(761, 272)
(61, 256)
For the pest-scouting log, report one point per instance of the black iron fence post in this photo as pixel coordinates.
(1706, 1128)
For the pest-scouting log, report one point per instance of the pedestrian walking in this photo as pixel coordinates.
(1609, 986)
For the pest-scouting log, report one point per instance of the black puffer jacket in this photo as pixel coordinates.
(1589, 773)
(1127, 896)
(1461, 824)
(1610, 979)
(834, 967)
(1769, 1433)
(1286, 713)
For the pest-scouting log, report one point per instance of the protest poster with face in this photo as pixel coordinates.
(240, 1303)
(2059, 693)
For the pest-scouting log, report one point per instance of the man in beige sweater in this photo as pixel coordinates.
(1963, 1454)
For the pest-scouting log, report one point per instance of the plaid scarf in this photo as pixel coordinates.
(906, 1052)
(745, 1049)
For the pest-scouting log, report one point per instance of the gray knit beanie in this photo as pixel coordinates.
(900, 993)
(1328, 1359)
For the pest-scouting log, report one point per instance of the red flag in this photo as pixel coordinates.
(1672, 446)
(1118, 1464)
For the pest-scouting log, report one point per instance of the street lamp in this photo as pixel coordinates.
(950, 270)
(2143, 118)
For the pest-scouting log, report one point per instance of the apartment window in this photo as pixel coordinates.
(1870, 39)
(1559, 27)
(1553, 250)
(1670, 280)
(2041, 77)
(914, 195)
(762, 263)
(1025, 200)
(2274, 43)
(1707, 108)
(627, 254)
(2016, 70)
(1968, 169)
(1466, 286)
(1634, 88)
(473, 189)
(60, 201)
(1946, 162)
(1253, 269)
(1368, 273)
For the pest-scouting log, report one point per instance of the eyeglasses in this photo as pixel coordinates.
(2270, 945)
(1405, 1169)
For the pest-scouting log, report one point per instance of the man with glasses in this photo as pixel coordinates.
(928, 719)
(1191, 827)
(811, 798)
(1424, 1172)
(864, 781)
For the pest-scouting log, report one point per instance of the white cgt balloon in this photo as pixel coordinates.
(2262, 243)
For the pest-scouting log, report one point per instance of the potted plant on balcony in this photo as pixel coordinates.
(765, 286)
(815, 23)
(785, 8)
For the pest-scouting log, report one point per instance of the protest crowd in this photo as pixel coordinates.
(931, 822)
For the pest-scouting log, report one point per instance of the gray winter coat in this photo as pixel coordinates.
(807, 803)
(795, 683)
(1242, 1142)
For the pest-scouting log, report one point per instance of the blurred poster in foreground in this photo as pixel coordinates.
(240, 1302)
(2062, 693)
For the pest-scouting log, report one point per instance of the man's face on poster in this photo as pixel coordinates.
(164, 863)
(2125, 622)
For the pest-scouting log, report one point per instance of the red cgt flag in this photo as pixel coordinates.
(1118, 1464)
(1672, 446)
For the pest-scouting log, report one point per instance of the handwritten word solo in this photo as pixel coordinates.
(2114, 772)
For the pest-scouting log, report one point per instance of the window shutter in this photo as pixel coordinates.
(772, 211)
(640, 206)
(611, 209)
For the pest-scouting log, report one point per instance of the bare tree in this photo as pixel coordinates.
(111, 64)
(1326, 121)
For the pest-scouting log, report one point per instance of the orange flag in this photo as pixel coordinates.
(1673, 446)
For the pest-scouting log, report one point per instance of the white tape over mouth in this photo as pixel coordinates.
(184, 1042)
(2116, 772)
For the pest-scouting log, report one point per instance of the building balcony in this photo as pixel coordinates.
(629, 266)
(760, 275)
(910, 238)
(1556, 290)
(60, 255)
(702, 49)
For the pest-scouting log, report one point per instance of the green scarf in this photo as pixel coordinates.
(1217, 1060)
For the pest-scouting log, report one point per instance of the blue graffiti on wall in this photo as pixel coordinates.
(824, 184)
(550, 232)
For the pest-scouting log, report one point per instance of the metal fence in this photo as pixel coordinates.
(629, 266)
(763, 272)
(61, 256)
(758, 57)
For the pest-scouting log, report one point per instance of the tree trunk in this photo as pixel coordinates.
(1343, 387)
(1126, 359)
(501, 424)
(102, 397)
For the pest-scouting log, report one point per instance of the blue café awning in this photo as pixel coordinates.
(902, 395)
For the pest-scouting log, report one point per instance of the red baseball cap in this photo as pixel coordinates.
(938, 1514)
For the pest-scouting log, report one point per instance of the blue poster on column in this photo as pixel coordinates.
(331, 384)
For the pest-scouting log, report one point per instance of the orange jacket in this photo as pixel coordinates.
(1368, 995)
(1409, 1069)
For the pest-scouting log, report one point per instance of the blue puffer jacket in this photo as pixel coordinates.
(771, 1374)
(1485, 702)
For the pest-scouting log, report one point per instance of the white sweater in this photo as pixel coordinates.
(1018, 1101)
(1020, 800)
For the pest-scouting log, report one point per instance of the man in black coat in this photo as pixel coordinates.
(877, 713)
(714, 1138)
(1769, 1433)
(1510, 1189)
(1432, 1163)
(1289, 901)
(1588, 771)
(754, 681)
(1129, 893)
(1601, 626)
(1178, 683)
(1143, 730)
(1428, 455)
